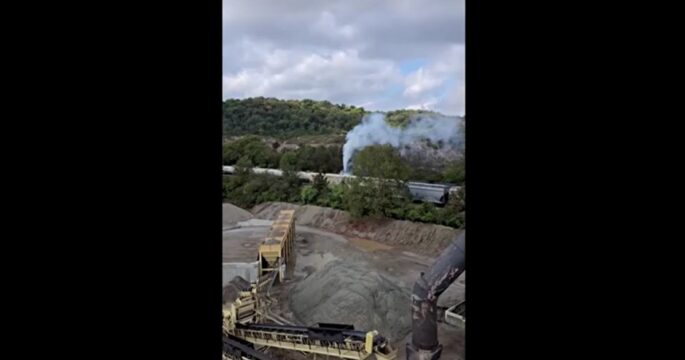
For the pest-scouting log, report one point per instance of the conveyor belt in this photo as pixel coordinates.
(321, 332)
(340, 341)
(237, 349)
(334, 340)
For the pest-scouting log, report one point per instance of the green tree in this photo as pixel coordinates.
(358, 199)
(401, 118)
(243, 168)
(455, 172)
(261, 155)
(454, 212)
(376, 198)
(230, 156)
(308, 194)
(381, 190)
(380, 161)
(289, 186)
(252, 147)
(289, 161)
(336, 197)
(287, 118)
(320, 183)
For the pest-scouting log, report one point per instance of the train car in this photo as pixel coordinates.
(228, 169)
(276, 251)
(302, 175)
(336, 179)
(433, 193)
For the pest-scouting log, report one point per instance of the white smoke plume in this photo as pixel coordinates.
(374, 130)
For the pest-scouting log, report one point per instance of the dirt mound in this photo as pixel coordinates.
(424, 239)
(341, 293)
(233, 214)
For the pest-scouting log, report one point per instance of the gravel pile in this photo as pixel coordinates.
(341, 293)
(233, 214)
(424, 239)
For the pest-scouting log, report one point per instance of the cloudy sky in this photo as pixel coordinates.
(381, 54)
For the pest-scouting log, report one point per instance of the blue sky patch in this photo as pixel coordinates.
(409, 66)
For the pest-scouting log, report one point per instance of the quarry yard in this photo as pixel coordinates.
(348, 271)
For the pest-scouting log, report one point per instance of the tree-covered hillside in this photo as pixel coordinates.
(287, 118)
(400, 118)
(306, 135)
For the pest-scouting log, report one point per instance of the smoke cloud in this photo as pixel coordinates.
(374, 130)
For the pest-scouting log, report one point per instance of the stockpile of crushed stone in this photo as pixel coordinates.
(342, 293)
(269, 210)
(233, 214)
(425, 239)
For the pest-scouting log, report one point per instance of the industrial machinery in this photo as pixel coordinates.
(246, 309)
(335, 340)
(456, 315)
(250, 326)
(278, 246)
(240, 302)
(235, 348)
(246, 331)
(448, 266)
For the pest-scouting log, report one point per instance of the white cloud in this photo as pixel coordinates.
(327, 25)
(430, 87)
(420, 81)
(340, 76)
(346, 52)
(426, 104)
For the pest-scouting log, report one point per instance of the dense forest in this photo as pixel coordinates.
(287, 118)
(325, 159)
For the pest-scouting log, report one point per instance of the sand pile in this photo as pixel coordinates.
(341, 293)
(233, 214)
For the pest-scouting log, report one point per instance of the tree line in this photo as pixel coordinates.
(287, 118)
(326, 159)
(372, 161)
(388, 197)
(400, 118)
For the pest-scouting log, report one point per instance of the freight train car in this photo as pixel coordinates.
(433, 193)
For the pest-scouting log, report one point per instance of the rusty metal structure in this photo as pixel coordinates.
(449, 265)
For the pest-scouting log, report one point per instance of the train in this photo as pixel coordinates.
(437, 194)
